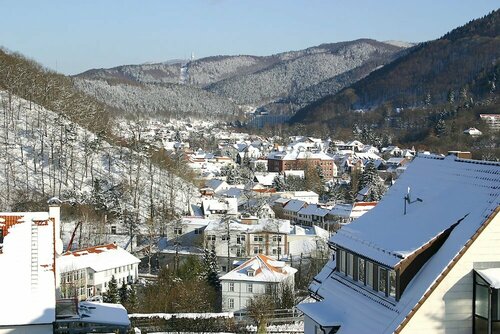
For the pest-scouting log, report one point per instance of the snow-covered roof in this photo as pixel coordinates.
(294, 205)
(266, 179)
(309, 230)
(449, 189)
(314, 210)
(353, 211)
(452, 191)
(492, 276)
(98, 258)
(216, 184)
(264, 268)
(103, 313)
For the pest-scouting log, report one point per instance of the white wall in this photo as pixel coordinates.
(240, 295)
(449, 307)
(102, 277)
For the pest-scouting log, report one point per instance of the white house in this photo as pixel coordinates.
(424, 260)
(87, 272)
(31, 296)
(30, 244)
(219, 206)
(258, 276)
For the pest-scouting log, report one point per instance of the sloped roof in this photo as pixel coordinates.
(314, 210)
(294, 205)
(452, 190)
(98, 258)
(266, 270)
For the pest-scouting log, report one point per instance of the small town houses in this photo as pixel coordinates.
(424, 260)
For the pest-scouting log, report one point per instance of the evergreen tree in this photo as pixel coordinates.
(369, 178)
(440, 128)
(279, 183)
(132, 304)
(123, 292)
(211, 269)
(112, 295)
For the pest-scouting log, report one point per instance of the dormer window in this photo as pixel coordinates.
(366, 273)
(251, 273)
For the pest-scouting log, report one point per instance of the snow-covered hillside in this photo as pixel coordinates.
(292, 76)
(218, 85)
(161, 100)
(44, 154)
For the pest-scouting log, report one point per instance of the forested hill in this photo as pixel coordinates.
(220, 85)
(461, 62)
(54, 142)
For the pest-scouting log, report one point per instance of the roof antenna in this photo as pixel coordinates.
(407, 199)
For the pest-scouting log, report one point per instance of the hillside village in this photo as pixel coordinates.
(173, 198)
(259, 226)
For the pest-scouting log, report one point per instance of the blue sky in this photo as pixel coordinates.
(73, 36)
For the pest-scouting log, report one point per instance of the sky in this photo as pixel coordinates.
(72, 36)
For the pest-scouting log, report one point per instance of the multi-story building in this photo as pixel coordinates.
(280, 161)
(270, 237)
(258, 276)
(87, 272)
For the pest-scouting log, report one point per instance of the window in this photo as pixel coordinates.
(277, 238)
(341, 261)
(225, 237)
(177, 230)
(113, 229)
(361, 270)
(249, 287)
(197, 231)
(251, 273)
(240, 239)
(350, 265)
(258, 238)
(486, 307)
(256, 250)
(231, 303)
(382, 280)
(211, 237)
(392, 283)
(268, 288)
(369, 274)
(231, 287)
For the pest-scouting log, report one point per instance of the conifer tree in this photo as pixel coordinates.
(211, 269)
(279, 183)
(123, 293)
(131, 304)
(112, 295)
(369, 178)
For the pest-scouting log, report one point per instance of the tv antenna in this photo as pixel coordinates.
(408, 200)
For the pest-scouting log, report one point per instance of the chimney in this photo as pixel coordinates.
(55, 213)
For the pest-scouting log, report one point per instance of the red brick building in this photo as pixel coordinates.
(279, 161)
